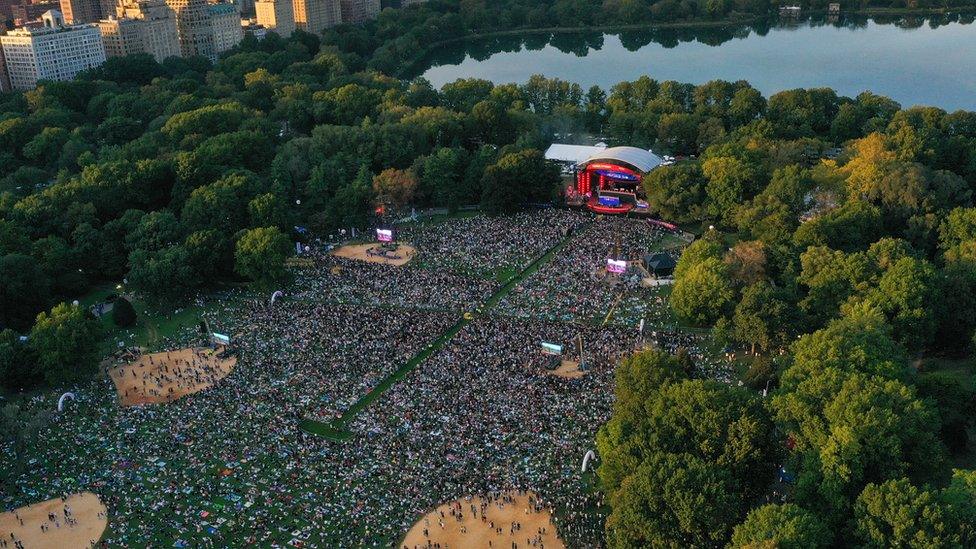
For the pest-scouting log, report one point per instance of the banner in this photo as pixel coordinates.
(612, 201)
(616, 266)
(384, 235)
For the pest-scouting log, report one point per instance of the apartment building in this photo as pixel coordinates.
(141, 26)
(276, 15)
(357, 11)
(50, 51)
(315, 16)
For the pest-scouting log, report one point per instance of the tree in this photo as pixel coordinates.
(676, 192)
(852, 226)
(747, 261)
(123, 314)
(395, 187)
(898, 514)
(66, 341)
(859, 342)
(18, 362)
(702, 419)
(516, 179)
(956, 401)
(25, 290)
(674, 500)
(638, 379)
(443, 181)
(730, 181)
(764, 318)
(786, 526)
(909, 294)
(260, 256)
(851, 429)
(163, 276)
(704, 293)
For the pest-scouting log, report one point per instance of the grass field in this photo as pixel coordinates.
(154, 324)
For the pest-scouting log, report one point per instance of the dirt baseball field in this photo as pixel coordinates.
(361, 252)
(56, 524)
(167, 376)
(456, 526)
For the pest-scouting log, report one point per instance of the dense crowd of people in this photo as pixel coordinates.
(575, 285)
(481, 416)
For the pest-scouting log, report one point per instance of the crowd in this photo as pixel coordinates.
(575, 285)
(481, 245)
(478, 417)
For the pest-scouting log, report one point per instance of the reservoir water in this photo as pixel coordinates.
(916, 60)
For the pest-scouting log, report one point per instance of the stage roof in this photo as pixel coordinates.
(644, 161)
(573, 153)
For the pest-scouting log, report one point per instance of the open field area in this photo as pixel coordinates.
(353, 347)
(76, 521)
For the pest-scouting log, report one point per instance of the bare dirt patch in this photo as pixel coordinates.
(454, 525)
(373, 253)
(167, 376)
(81, 526)
(567, 369)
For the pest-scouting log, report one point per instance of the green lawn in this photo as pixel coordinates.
(154, 324)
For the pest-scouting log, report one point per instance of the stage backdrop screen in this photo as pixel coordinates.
(616, 266)
(384, 235)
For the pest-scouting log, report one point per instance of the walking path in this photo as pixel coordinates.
(337, 429)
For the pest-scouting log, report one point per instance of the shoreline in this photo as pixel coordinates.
(408, 68)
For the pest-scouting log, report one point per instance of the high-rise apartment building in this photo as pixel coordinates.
(54, 51)
(24, 12)
(141, 26)
(86, 11)
(4, 79)
(206, 28)
(357, 11)
(315, 16)
(193, 27)
(225, 26)
(276, 15)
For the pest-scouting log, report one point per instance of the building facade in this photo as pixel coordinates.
(4, 79)
(205, 28)
(24, 12)
(193, 27)
(141, 26)
(54, 51)
(225, 27)
(315, 16)
(86, 11)
(357, 11)
(276, 15)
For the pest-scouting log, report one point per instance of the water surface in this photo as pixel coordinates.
(912, 60)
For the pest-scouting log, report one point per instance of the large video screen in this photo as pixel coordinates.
(616, 266)
(384, 235)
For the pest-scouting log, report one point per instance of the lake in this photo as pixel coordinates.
(914, 60)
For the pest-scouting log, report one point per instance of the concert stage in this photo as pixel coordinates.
(609, 182)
